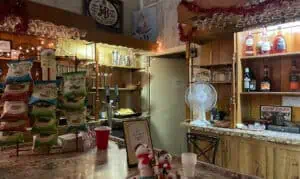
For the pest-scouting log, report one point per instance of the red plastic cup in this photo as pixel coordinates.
(102, 135)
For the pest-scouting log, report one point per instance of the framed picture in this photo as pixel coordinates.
(136, 132)
(145, 24)
(108, 14)
(5, 48)
(276, 113)
(147, 3)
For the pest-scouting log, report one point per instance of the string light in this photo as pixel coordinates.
(27, 50)
(42, 42)
(20, 48)
(32, 48)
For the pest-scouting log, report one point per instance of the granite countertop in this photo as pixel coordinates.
(265, 135)
(111, 164)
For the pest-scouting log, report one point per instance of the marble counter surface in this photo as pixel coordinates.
(93, 164)
(266, 135)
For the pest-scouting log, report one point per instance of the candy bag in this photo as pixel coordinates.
(14, 110)
(43, 109)
(74, 104)
(44, 91)
(74, 84)
(19, 71)
(16, 92)
(45, 139)
(45, 125)
(76, 118)
(10, 138)
(19, 125)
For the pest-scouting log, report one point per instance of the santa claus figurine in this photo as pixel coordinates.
(144, 155)
(164, 164)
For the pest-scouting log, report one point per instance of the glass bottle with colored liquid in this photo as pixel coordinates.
(279, 44)
(249, 45)
(266, 45)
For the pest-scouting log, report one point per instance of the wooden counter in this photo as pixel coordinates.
(267, 154)
(93, 164)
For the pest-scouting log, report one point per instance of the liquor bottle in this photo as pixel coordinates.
(265, 84)
(247, 80)
(253, 81)
(294, 80)
(266, 44)
(249, 45)
(279, 44)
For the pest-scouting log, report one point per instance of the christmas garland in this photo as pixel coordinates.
(243, 10)
(15, 8)
(238, 18)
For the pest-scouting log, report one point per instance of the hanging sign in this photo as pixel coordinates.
(107, 13)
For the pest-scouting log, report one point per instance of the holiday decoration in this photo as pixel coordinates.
(241, 15)
(41, 28)
(145, 156)
(164, 160)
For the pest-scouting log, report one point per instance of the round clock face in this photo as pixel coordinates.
(104, 12)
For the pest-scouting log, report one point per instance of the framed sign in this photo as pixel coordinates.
(108, 14)
(5, 46)
(147, 3)
(276, 113)
(136, 132)
(145, 24)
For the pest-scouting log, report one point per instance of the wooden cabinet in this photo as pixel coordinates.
(286, 164)
(253, 158)
(258, 158)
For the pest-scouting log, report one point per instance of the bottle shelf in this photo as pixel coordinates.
(120, 89)
(221, 82)
(212, 65)
(272, 93)
(288, 54)
(122, 67)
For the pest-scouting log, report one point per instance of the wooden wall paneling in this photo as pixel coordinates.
(215, 48)
(275, 75)
(226, 50)
(205, 56)
(286, 64)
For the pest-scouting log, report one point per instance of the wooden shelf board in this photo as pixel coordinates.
(271, 55)
(272, 93)
(123, 67)
(211, 66)
(220, 82)
(120, 89)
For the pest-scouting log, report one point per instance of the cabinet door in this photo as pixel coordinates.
(286, 164)
(253, 159)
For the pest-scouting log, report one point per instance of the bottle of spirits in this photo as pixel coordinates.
(249, 45)
(294, 80)
(266, 44)
(253, 81)
(265, 84)
(247, 80)
(279, 44)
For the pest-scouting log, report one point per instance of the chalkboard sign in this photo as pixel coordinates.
(136, 132)
(108, 14)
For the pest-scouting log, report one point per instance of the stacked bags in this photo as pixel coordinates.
(43, 101)
(74, 98)
(14, 118)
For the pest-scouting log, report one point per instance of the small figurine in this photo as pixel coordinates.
(164, 160)
(145, 156)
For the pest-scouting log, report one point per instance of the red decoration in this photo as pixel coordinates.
(252, 9)
(15, 8)
(183, 36)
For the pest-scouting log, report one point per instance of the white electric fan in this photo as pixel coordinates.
(201, 97)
